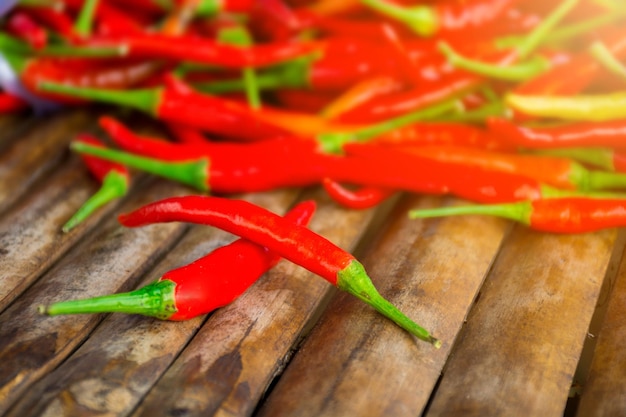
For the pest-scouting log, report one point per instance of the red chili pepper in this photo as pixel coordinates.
(294, 243)
(363, 198)
(556, 215)
(206, 284)
(10, 103)
(361, 92)
(604, 158)
(224, 167)
(114, 180)
(443, 133)
(200, 50)
(209, 113)
(79, 72)
(611, 133)
(417, 98)
(393, 169)
(556, 171)
(24, 27)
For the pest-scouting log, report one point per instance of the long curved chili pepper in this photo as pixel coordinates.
(556, 171)
(114, 182)
(336, 63)
(206, 112)
(417, 98)
(363, 198)
(198, 50)
(556, 215)
(204, 285)
(295, 243)
(231, 168)
(590, 107)
(610, 133)
(414, 173)
(443, 133)
(361, 92)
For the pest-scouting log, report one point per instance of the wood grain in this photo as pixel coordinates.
(518, 352)
(37, 153)
(357, 363)
(112, 260)
(603, 393)
(31, 239)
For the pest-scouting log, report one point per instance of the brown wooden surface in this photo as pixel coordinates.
(526, 318)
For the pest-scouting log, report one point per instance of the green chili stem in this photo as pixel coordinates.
(586, 180)
(526, 46)
(146, 100)
(193, 173)
(332, 142)
(84, 21)
(607, 59)
(518, 211)
(421, 19)
(354, 280)
(538, 34)
(292, 74)
(153, 300)
(238, 35)
(515, 72)
(209, 7)
(114, 185)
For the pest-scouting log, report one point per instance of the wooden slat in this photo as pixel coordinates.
(37, 153)
(233, 358)
(357, 363)
(519, 350)
(125, 356)
(30, 232)
(112, 260)
(604, 394)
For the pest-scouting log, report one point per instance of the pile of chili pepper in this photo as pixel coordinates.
(516, 106)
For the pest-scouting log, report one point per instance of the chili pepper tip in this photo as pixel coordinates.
(354, 280)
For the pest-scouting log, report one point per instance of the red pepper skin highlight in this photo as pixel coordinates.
(555, 215)
(204, 285)
(294, 243)
(362, 198)
(611, 133)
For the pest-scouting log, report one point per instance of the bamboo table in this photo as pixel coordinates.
(532, 324)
